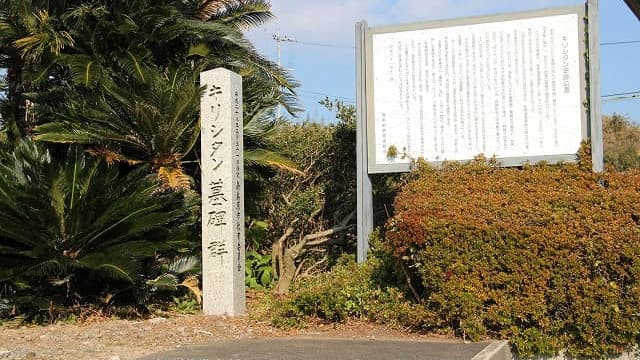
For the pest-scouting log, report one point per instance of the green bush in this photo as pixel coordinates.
(351, 291)
(545, 256)
(326, 190)
(78, 231)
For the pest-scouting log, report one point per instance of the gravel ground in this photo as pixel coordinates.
(122, 339)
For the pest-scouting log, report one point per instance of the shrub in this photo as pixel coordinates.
(621, 142)
(351, 291)
(78, 231)
(322, 197)
(546, 256)
(327, 186)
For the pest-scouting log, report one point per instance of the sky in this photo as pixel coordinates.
(322, 55)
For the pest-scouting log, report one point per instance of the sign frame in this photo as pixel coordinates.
(370, 32)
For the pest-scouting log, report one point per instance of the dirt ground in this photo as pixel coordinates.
(104, 339)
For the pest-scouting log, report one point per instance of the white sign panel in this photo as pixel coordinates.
(510, 89)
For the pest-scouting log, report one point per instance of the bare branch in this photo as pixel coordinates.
(299, 268)
(315, 214)
(278, 248)
(339, 228)
(307, 272)
(327, 241)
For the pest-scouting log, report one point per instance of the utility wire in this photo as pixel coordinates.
(328, 95)
(353, 47)
(622, 96)
(605, 98)
(323, 44)
(620, 43)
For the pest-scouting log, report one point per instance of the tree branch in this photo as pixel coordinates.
(344, 225)
(307, 272)
(278, 249)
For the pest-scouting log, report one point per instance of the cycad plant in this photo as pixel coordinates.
(78, 230)
(80, 44)
(154, 121)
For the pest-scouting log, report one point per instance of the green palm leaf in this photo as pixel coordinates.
(85, 70)
(270, 158)
(80, 218)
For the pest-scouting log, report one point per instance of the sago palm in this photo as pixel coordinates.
(31, 35)
(87, 44)
(78, 227)
(153, 121)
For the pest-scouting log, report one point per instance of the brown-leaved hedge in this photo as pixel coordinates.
(546, 256)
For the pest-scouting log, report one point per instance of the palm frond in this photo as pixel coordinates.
(174, 178)
(165, 282)
(216, 31)
(270, 158)
(155, 119)
(245, 14)
(85, 70)
(201, 50)
(193, 284)
(115, 272)
(185, 265)
(43, 37)
(134, 65)
(82, 218)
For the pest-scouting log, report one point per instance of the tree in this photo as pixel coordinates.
(86, 45)
(29, 36)
(126, 81)
(621, 143)
(153, 121)
(311, 216)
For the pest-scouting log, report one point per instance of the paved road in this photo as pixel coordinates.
(324, 349)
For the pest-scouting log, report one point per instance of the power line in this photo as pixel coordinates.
(353, 47)
(620, 43)
(606, 98)
(279, 39)
(341, 46)
(328, 95)
(622, 96)
(324, 44)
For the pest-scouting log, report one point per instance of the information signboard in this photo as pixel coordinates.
(510, 86)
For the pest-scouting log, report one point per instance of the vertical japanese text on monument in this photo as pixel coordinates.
(238, 179)
(216, 199)
(509, 89)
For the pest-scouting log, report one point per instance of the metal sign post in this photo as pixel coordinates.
(365, 190)
(595, 104)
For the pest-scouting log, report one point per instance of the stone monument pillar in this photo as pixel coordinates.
(223, 258)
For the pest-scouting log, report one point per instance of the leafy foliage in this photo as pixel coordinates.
(545, 256)
(182, 272)
(153, 121)
(111, 48)
(121, 79)
(325, 192)
(259, 273)
(351, 291)
(621, 143)
(77, 230)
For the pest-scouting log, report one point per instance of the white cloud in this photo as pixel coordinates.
(333, 21)
(330, 21)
